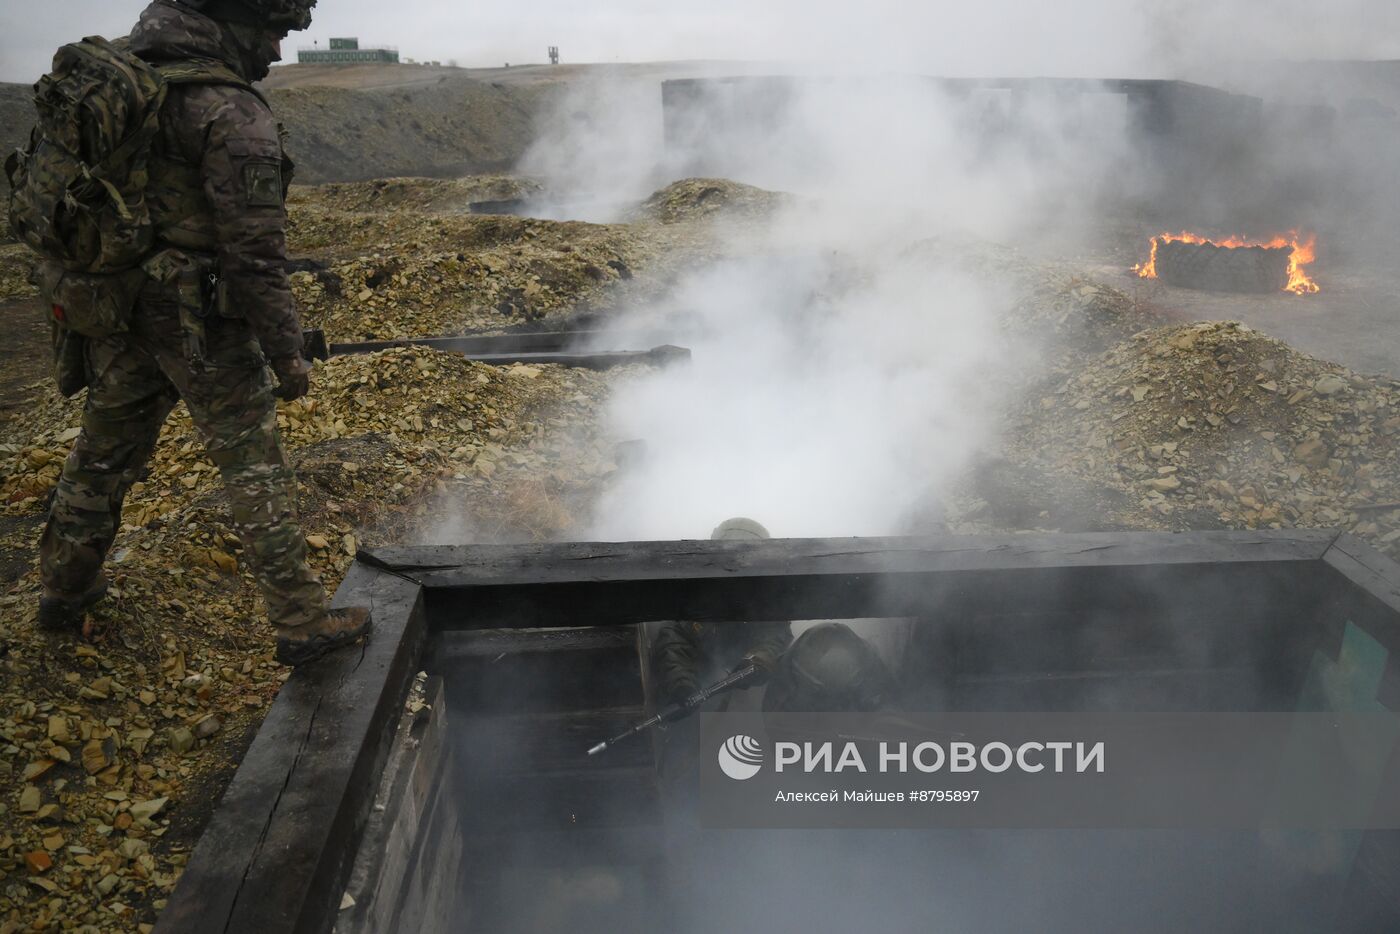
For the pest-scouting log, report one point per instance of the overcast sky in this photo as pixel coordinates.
(1099, 38)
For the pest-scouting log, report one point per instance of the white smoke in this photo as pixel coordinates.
(849, 359)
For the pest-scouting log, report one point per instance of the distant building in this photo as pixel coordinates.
(346, 52)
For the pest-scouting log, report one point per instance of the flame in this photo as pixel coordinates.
(1304, 253)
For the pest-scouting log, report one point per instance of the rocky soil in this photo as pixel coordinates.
(112, 753)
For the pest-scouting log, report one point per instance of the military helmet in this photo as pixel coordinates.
(739, 529)
(827, 669)
(282, 16)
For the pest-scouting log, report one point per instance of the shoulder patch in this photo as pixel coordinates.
(262, 184)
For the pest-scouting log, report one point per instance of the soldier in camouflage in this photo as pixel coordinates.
(830, 669)
(688, 655)
(215, 314)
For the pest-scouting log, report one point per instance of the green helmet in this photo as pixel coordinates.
(739, 529)
(829, 669)
(282, 16)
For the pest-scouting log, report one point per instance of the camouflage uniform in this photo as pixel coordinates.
(217, 194)
(687, 655)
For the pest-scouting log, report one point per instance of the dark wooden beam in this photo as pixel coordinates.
(524, 342)
(275, 856)
(466, 565)
(623, 583)
(558, 348)
(1368, 594)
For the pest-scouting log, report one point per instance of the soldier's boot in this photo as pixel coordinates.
(304, 644)
(64, 612)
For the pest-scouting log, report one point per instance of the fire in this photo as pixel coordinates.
(1304, 253)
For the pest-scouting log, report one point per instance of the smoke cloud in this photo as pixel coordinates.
(849, 353)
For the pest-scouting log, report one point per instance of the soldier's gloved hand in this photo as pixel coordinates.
(762, 659)
(293, 378)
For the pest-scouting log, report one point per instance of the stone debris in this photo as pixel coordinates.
(402, 258)
(1215, 425)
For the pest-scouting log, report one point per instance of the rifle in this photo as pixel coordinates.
(681, 710)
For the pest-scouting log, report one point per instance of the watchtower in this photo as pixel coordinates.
(554, 54)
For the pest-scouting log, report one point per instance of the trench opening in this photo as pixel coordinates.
(533, 835)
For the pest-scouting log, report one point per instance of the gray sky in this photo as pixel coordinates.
(1097, 38)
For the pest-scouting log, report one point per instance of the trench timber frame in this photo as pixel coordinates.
(538, 347)
(278, 849)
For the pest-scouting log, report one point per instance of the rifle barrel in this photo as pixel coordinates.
(675, 712)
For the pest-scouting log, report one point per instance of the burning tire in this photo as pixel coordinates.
(1215, 268)
(1189, 261)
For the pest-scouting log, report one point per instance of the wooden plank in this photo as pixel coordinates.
(519, 342)
(276, 853)
(451, 647)
(412, 777)
(597, 360)
(464, 565)
(543, 681)
(428, 885)
(745, 596)
(621, 583)
(1369, 596)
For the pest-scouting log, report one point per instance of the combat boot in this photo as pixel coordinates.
(307, 643)
(63, 613)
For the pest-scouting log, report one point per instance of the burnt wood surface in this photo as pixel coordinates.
(276, 853)
(550, 585)
(451, 647)
(497, 564)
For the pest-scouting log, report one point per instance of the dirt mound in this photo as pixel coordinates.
(409, 264)
(357, 77)
(693, 198)
(1068, 310)
(444, 196)
(1216, 425)
(455, 126)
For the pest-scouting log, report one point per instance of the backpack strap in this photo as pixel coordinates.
(129, 147)
(206, 71)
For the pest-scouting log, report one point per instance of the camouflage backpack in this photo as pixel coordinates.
(79, 190)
